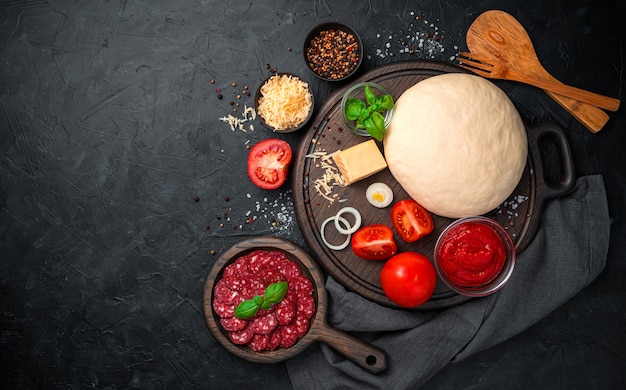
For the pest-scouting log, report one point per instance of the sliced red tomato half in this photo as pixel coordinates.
(411, 220)
(374, 242)
(268, 163)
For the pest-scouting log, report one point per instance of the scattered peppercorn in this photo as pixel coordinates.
(212, 81)
(219, 96)
(333, 54)
(234, 84)
(196, 199)
(226, 198)
(212, 251)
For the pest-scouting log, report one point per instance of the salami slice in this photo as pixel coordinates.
(270, 276)
(233, 324)
(272, 259)
(302, 285)
(288, 268)
(243, 336)
(289, 335)
(223, 310)
(285, 311)
(256, 262)
(302, 324)
(238, 268)
(306, 305)
(264, 324)
(221, 293)
(275, 339)
(259, 342)
(248, 285)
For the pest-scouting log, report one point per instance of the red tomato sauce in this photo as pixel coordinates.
(471, 254)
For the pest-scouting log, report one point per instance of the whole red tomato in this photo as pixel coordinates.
(268, 162)
(374, 242)
(411, 220)
(408, 279)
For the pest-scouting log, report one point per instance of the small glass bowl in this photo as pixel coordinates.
(357, 92)
(497, 282)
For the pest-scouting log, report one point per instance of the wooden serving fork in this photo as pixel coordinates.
(491, 68)
(499, 35)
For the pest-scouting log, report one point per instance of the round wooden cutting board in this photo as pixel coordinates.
(327, 134)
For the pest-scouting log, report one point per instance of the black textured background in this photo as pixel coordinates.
(109, 128)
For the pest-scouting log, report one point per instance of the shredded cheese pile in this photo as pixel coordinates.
(330, 179)
(285, 102)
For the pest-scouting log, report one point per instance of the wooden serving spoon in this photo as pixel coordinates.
(498, 35)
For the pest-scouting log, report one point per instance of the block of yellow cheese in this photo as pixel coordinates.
(359, 161)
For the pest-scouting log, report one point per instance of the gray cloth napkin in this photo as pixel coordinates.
(568, 252)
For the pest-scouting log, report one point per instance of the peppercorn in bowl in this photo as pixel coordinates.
(333, 51)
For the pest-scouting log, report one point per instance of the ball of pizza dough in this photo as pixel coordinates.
(456, 144)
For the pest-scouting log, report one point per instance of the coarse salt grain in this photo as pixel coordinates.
(416, 41)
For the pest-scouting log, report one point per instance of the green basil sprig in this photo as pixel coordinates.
(273, 294)
(367, 114)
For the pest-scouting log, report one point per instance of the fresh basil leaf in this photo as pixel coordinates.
(369, 95)
(246, 309)
(275, 292)
(359, 123)
(373, 108)
(372, 127)
(353, 108)
(258, 299)
(379, 121)
(385, 102)
(266, 305)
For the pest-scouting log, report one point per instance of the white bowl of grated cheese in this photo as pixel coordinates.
(284, 102)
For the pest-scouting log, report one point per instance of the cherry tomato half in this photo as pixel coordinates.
(374, 242)
(268, 162)
(408, 279)
(411, 220)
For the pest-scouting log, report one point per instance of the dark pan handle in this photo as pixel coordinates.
(545, 190)
(365, 355)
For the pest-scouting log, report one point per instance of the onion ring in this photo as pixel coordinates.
(323, 227)
(349, 229)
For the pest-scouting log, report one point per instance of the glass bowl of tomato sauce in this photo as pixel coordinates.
(475, 256)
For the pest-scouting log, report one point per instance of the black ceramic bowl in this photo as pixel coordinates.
(337, 62)
(290, 129)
